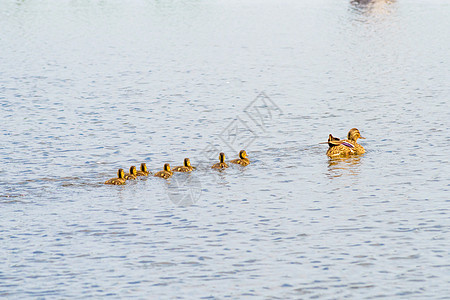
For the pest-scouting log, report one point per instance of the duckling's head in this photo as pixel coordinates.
(121, 173)
(133, 170)
(222, 157)
(187, 162)
(167, 167)
(143, 167)
(354, 134)
(242, 154)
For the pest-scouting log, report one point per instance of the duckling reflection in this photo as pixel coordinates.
(344, 166)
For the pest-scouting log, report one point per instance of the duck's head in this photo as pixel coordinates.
(354, 134)
(167, 167)
(242, 154)
(222, 157)
(133, 170)
(143, 167)
(187, 162)
(121, 173)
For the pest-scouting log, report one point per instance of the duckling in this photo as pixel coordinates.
(143, 171)
(166, 173)
(132, 174)
(221, 164)
(346, 147)
(186, 168)
(242, 160)
(119, 180)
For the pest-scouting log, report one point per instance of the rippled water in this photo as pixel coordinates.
(87, 87)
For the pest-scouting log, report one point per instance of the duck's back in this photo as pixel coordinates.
(359, 149)
(339, 150)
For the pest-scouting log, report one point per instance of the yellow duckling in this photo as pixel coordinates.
(221, 164)
(186, 168)
(132, 174)
(143, 171)
(242, 160)
(166, 173)
(346, 147)
(119, 180)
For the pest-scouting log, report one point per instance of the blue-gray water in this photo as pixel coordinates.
(87, 87)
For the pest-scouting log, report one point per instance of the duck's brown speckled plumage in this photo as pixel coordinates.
(186, 168)
(120, 180)
(242, 160)
(166, 173)
(345, 147)
(222, 164)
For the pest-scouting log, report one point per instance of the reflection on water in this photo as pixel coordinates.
(344, 166)
(373, 7)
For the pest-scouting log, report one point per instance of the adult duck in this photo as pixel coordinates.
(345, 147)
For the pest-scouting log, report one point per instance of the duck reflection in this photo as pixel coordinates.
(344, 166)
(377, 7)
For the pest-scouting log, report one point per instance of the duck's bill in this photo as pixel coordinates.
(361, 137)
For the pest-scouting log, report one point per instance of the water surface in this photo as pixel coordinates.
(87, 87)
